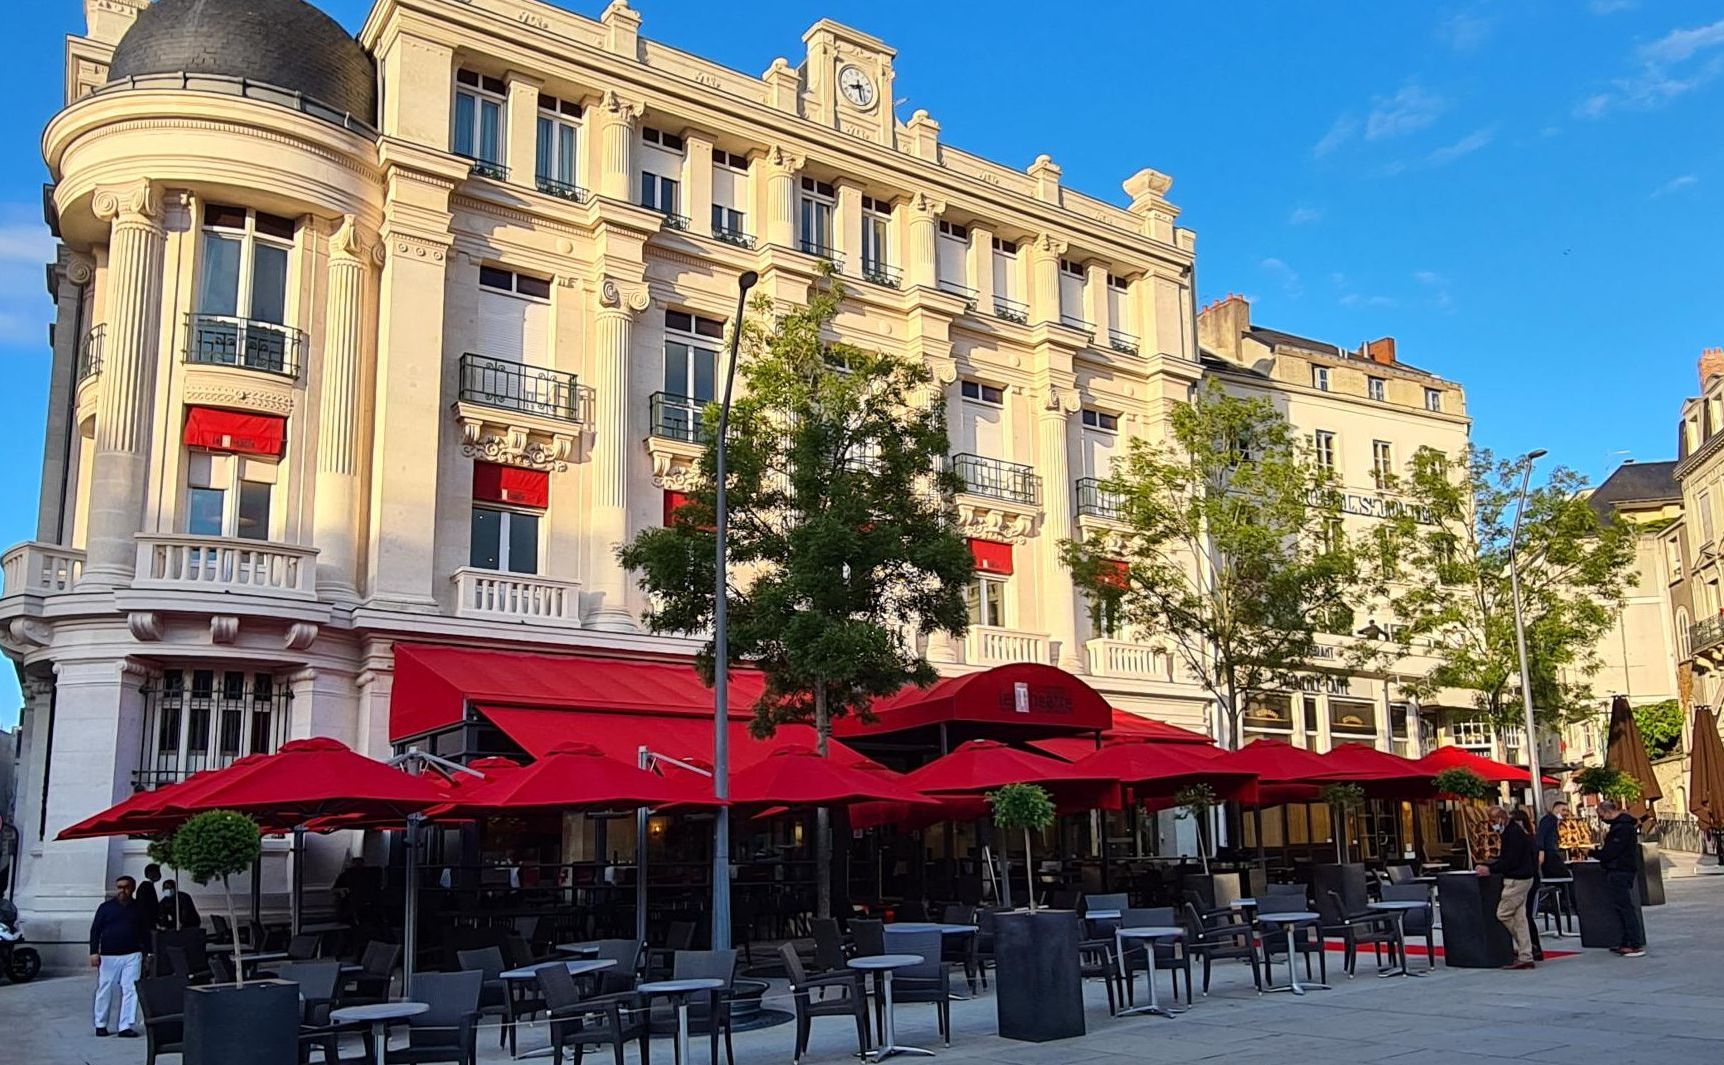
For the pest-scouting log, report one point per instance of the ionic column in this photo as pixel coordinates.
(617, 147)
(921, 266)
(1053, 422)
(1044, 280)
(134, 306)
(613, 338)
(779, 168)
(335, 530)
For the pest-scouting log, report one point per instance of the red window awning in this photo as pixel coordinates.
(672, 500)
(1116, 573)
(992, 556)
(622, 735)
(1126, 726)
(240, 432)
(1021, 700)
(494, 483)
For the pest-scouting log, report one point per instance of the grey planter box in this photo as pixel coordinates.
(257, 1024)
(1038, 986)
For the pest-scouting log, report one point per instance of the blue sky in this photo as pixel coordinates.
(1525, 194)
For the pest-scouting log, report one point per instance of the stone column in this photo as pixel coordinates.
(521, 138)
(1043, 295)
(617, 147)
(1095, 300)
(38, 692)
(613, 336)
(982, 268)
(1053, 422)
(697, 181)
(847, 226)
(70, 275)
(778, 197)
(119, 468)
(921, 263)
(345, 344)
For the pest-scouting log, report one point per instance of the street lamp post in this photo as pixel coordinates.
(721, 648)
(1525, 462)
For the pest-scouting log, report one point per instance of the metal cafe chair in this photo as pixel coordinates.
(852, 1000)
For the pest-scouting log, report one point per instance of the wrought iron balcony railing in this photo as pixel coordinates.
(1122, 341)
(1096, 501)
(223, 340)
(733, 236)
(672, 220)
(966, 292)
(563, 190)
(677, 418)
(1073, 321)
(1011, 310)
(488, 168)
(1706, 633)
(90, 352)
(881, 274)
(998, 479)
(823, 251)
(515, 386)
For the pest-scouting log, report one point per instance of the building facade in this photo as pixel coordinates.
(364, 341)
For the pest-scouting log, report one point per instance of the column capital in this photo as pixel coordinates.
(614, 108)
(1059, 400)
(779, 160)
(350, 243)
(138, 202)
(1048, 245)
(627, 298)
(75, 266)
(922, 204)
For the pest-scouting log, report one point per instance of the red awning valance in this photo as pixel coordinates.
(672, 500)
(1024, 699)
(237, 431)
(992, 556)
(494, 483)
(622, 735)
(1116, 573)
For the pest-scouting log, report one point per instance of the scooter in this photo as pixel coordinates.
(18, 963)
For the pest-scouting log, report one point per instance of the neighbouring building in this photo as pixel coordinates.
(369, 351)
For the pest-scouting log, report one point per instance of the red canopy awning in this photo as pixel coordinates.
(1489, 769)
(795, 775)
(1126, 725)
(1383, 775)
(1157, 770)
(983, 765)
(577, 776)
(622, 735)
(1021, 700)
(237, 431)
(1276, 761)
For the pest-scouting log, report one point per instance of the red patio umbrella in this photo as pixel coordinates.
(575, 776)
(1281, 769)
(984, 765)
(1383, 775)
(1487, 769)
(306, 779)
(1157, 770)
(147, 813)
(1126, 726)
(797, 775)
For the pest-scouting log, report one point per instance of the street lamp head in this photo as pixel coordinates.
(747, 280)
(1534, 455)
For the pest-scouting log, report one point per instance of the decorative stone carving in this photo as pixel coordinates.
(300, 635)
(78, 268)
(513, 445)
(224, 628)
(28, 633)
(138, 201)
(618, 109)
(348, 242)
(631, 296)
(145, 625)
(675, 463)
(417, 248)
(1060, 399)
(260, 399)
(993, 519)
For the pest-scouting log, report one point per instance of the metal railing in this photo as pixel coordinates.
(224, 340)
(880, 274)
(1705, 633)
(1096, 501)
(1678, 834)
(1122, 342)
(733, 236)
(1072, 321)
(195, 720)
(957, 289)
(998, 479)
(672, 220)
(823, 251)
(563, 190)
(90, 352)
(488, 168)
(677, 417)
(1011, 310)
(514, 386)
(230, 85)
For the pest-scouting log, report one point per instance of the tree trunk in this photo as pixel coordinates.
(1029, 871)
(1202, 847)
(1338, 817)
(822, 816)
(233, 925)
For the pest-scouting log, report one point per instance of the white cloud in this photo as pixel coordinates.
(1671, 66)
(24, 242)
(1429, 277)
(1281, 272)
(1467, 145)
(1354, 299)
(1464, 31)
(25, 247)
(1339, 133)
(1438, 287)
(1410, 109)
(1676, 184)
(1304, 216)
(1678, 45)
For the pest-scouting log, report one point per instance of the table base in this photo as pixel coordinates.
(1157, 1010)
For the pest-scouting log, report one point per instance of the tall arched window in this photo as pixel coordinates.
(1683, 643)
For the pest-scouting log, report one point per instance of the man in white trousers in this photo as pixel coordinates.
(117, 938)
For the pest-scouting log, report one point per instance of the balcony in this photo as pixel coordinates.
(880, 274)
(985, 645)
(677, 418)
(246, 343)
(821, 251)
(34, 568)
(1078, 322)
(516, 386)
(182, 562)
(562, 190)
(519, 597)
(1703, 635)
(1129, 659)
(90, 352)
(672, 220)
(998, 479)
(486, 168)
(1122, 342)
(733, 236)
(1095, 501)
(1011, 310)
(965, 292)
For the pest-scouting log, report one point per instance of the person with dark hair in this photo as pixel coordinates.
(148, 901)
(1517, 864)
(1550, 839)
(1620, 857)
(117, 940)
(178, 912)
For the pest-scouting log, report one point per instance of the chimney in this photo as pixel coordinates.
(1381, 351)
(1222, 324)
(1711, 364)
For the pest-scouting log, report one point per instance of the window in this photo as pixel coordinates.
(514, 316)
(1320, 378)
(1118, 284)
(1382, 462)
(558, 122)
(200, 719)
(508, 503)
(1072, 311)
(1705, 502)
(1376, 388)
(1008, 287)
(876, 236)
(729, 195)
(976, 390)
(1105, 617)
(951, 257)
(479, 101)
(245, 264)
(986, 598)
(228, 495)
(659, 192)
(670, 142)
(818, 200)
(1434, 399)
(954, 230)
(1323, 448)
(691, 355)
(1096, 419)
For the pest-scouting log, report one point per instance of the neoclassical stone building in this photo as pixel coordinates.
(391, 340)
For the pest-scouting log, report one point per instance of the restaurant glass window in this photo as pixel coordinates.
(198, 719)
(1352, 720)
(228, 495)
(1398, 736)
(1268, 714)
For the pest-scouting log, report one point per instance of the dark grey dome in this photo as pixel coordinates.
(285, 43)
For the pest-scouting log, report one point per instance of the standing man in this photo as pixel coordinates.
(1620, 857)
(117, 954)
(1517, 864)
(178, 912)
(148, 899)
(1549, 841)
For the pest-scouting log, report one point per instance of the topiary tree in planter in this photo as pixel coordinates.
(1607, 782)
(1343, 799)
(214, 846)
(1472, 792)
(1194, 802)
(1028, 807)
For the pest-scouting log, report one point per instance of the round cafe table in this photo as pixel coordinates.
(1291, 923)
(378, 1015)
(883, 964)
(1153, 935)
(678, 991)
(1398, 910)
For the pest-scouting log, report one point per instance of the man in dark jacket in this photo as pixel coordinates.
(1549, 839)
(1517, 864)
(117, 940)
(177, 912)
(1620, 857)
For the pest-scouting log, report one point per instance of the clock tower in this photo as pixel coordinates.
(848, 75)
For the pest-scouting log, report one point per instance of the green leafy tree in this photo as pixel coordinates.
(1660, 726)
(1233, 546)
(1453, 543)
(1195, 801)
(1344, 800)
(1460, 782)
(1607, 782)
(1028, 807)
(844, 554)
(214, 846)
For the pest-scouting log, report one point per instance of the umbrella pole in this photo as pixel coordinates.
(257, 893)
(298, 895)
(410, 916)
(640, 872)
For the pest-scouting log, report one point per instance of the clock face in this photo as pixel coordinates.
(856, 86)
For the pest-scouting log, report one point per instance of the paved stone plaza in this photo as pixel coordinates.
(1595, 1007)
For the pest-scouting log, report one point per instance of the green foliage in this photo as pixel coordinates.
(1607, 782)
(1234, 548)
(1453, 542)
(1022, 806)
(1462, 783)
(843, 546)
(1195, 800)
(1660, 726)
(1344, 797)
(161, 850)
(216, 845)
